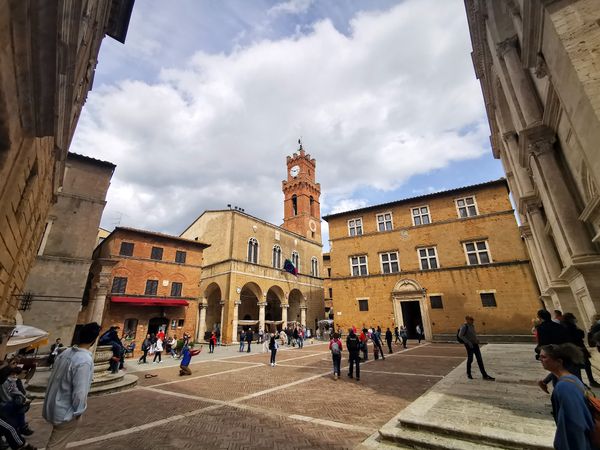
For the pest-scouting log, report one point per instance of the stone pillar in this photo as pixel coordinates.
(566, 225)
(549, 256)
(284, 314)
(97, 308)
(535, 256)
(234, 324)
(222, 303)
(261, 315)
(202, 305)
(520, 81)
(303, 315)
(521, 175)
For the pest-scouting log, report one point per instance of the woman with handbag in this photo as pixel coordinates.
(158, 348)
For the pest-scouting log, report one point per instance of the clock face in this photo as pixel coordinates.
(294, 171)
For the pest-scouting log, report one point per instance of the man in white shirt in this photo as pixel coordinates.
(68, 387)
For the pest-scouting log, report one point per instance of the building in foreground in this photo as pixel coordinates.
(538, 65)
(243, 283)
(144, 281)
(48, 54)
(56, 282)
(431, 260)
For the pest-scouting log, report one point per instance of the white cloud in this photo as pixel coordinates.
(394, 98)
(290, 7)
(349, 204)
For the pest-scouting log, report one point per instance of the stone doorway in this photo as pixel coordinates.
(411, 314)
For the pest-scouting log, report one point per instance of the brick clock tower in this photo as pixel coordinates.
(302, 209)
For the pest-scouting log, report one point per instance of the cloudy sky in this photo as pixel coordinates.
(204, 101)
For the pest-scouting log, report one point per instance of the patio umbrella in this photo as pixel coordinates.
(26, 336)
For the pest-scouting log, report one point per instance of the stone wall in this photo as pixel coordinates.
(58, 276)
(49, 53)
(459, 285)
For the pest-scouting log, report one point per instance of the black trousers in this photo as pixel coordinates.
(143, 357)
(354, 360)
(389, 343)
(11, 435)
(475, 351)
(211, 346)
(273, 355)
(249, 342)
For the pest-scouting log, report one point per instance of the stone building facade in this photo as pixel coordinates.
(143, 281)
(327, 288)
(48, 54)
(243, 283)
(431, 260)
(537, 61)
(58, 276)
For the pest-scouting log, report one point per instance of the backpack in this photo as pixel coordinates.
(593, 404)
(335, 348)
(352, 343)
(458, 338)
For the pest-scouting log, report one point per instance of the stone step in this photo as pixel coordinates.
(117, 383)
(423, 439)
(419, 431)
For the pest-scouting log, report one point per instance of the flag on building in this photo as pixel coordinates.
(288, 266)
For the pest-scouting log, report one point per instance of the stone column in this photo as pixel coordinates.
(538, 229)
(535, 256)
(520, 81)
(303, 315)
(261, 315)
(521, 175)
(234, 325)
(284, 314)
(566, 225)
(96, 311)
(202, 322)
(222, 303)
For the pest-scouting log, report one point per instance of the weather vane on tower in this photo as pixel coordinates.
(300, 142)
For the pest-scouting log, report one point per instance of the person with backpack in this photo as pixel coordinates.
(363, 340)
(468, 337)
(335, 346)
(273, 346)
(571, 400)
(353, 346)
(376, 338)
(403, 335)
(575, 336)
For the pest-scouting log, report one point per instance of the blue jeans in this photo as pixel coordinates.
(337, 362)
(242, 346)
(273, 354)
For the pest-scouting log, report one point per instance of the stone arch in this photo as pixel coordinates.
(273, 309)
(152, 275)
(407, 286)
(297, 301)
(213, 295)
(250, 296)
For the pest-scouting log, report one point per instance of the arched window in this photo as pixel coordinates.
(277, 256)
(296, 260)
(253, 251)
(314, 267)
(312, 206)
(295, 205)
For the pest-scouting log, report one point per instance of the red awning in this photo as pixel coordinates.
(150, 301)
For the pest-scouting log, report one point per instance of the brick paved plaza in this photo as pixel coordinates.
(242, 402)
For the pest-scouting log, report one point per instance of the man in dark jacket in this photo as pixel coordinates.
(249, 338)
(548, 331)
(353, 346)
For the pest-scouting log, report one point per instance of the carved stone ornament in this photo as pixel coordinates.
(506, 45)
(541, 69)
(542, 146)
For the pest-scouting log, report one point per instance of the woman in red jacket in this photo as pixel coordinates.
(211, 342)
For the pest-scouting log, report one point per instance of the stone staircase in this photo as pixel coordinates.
(457, 413)
(103, 382)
